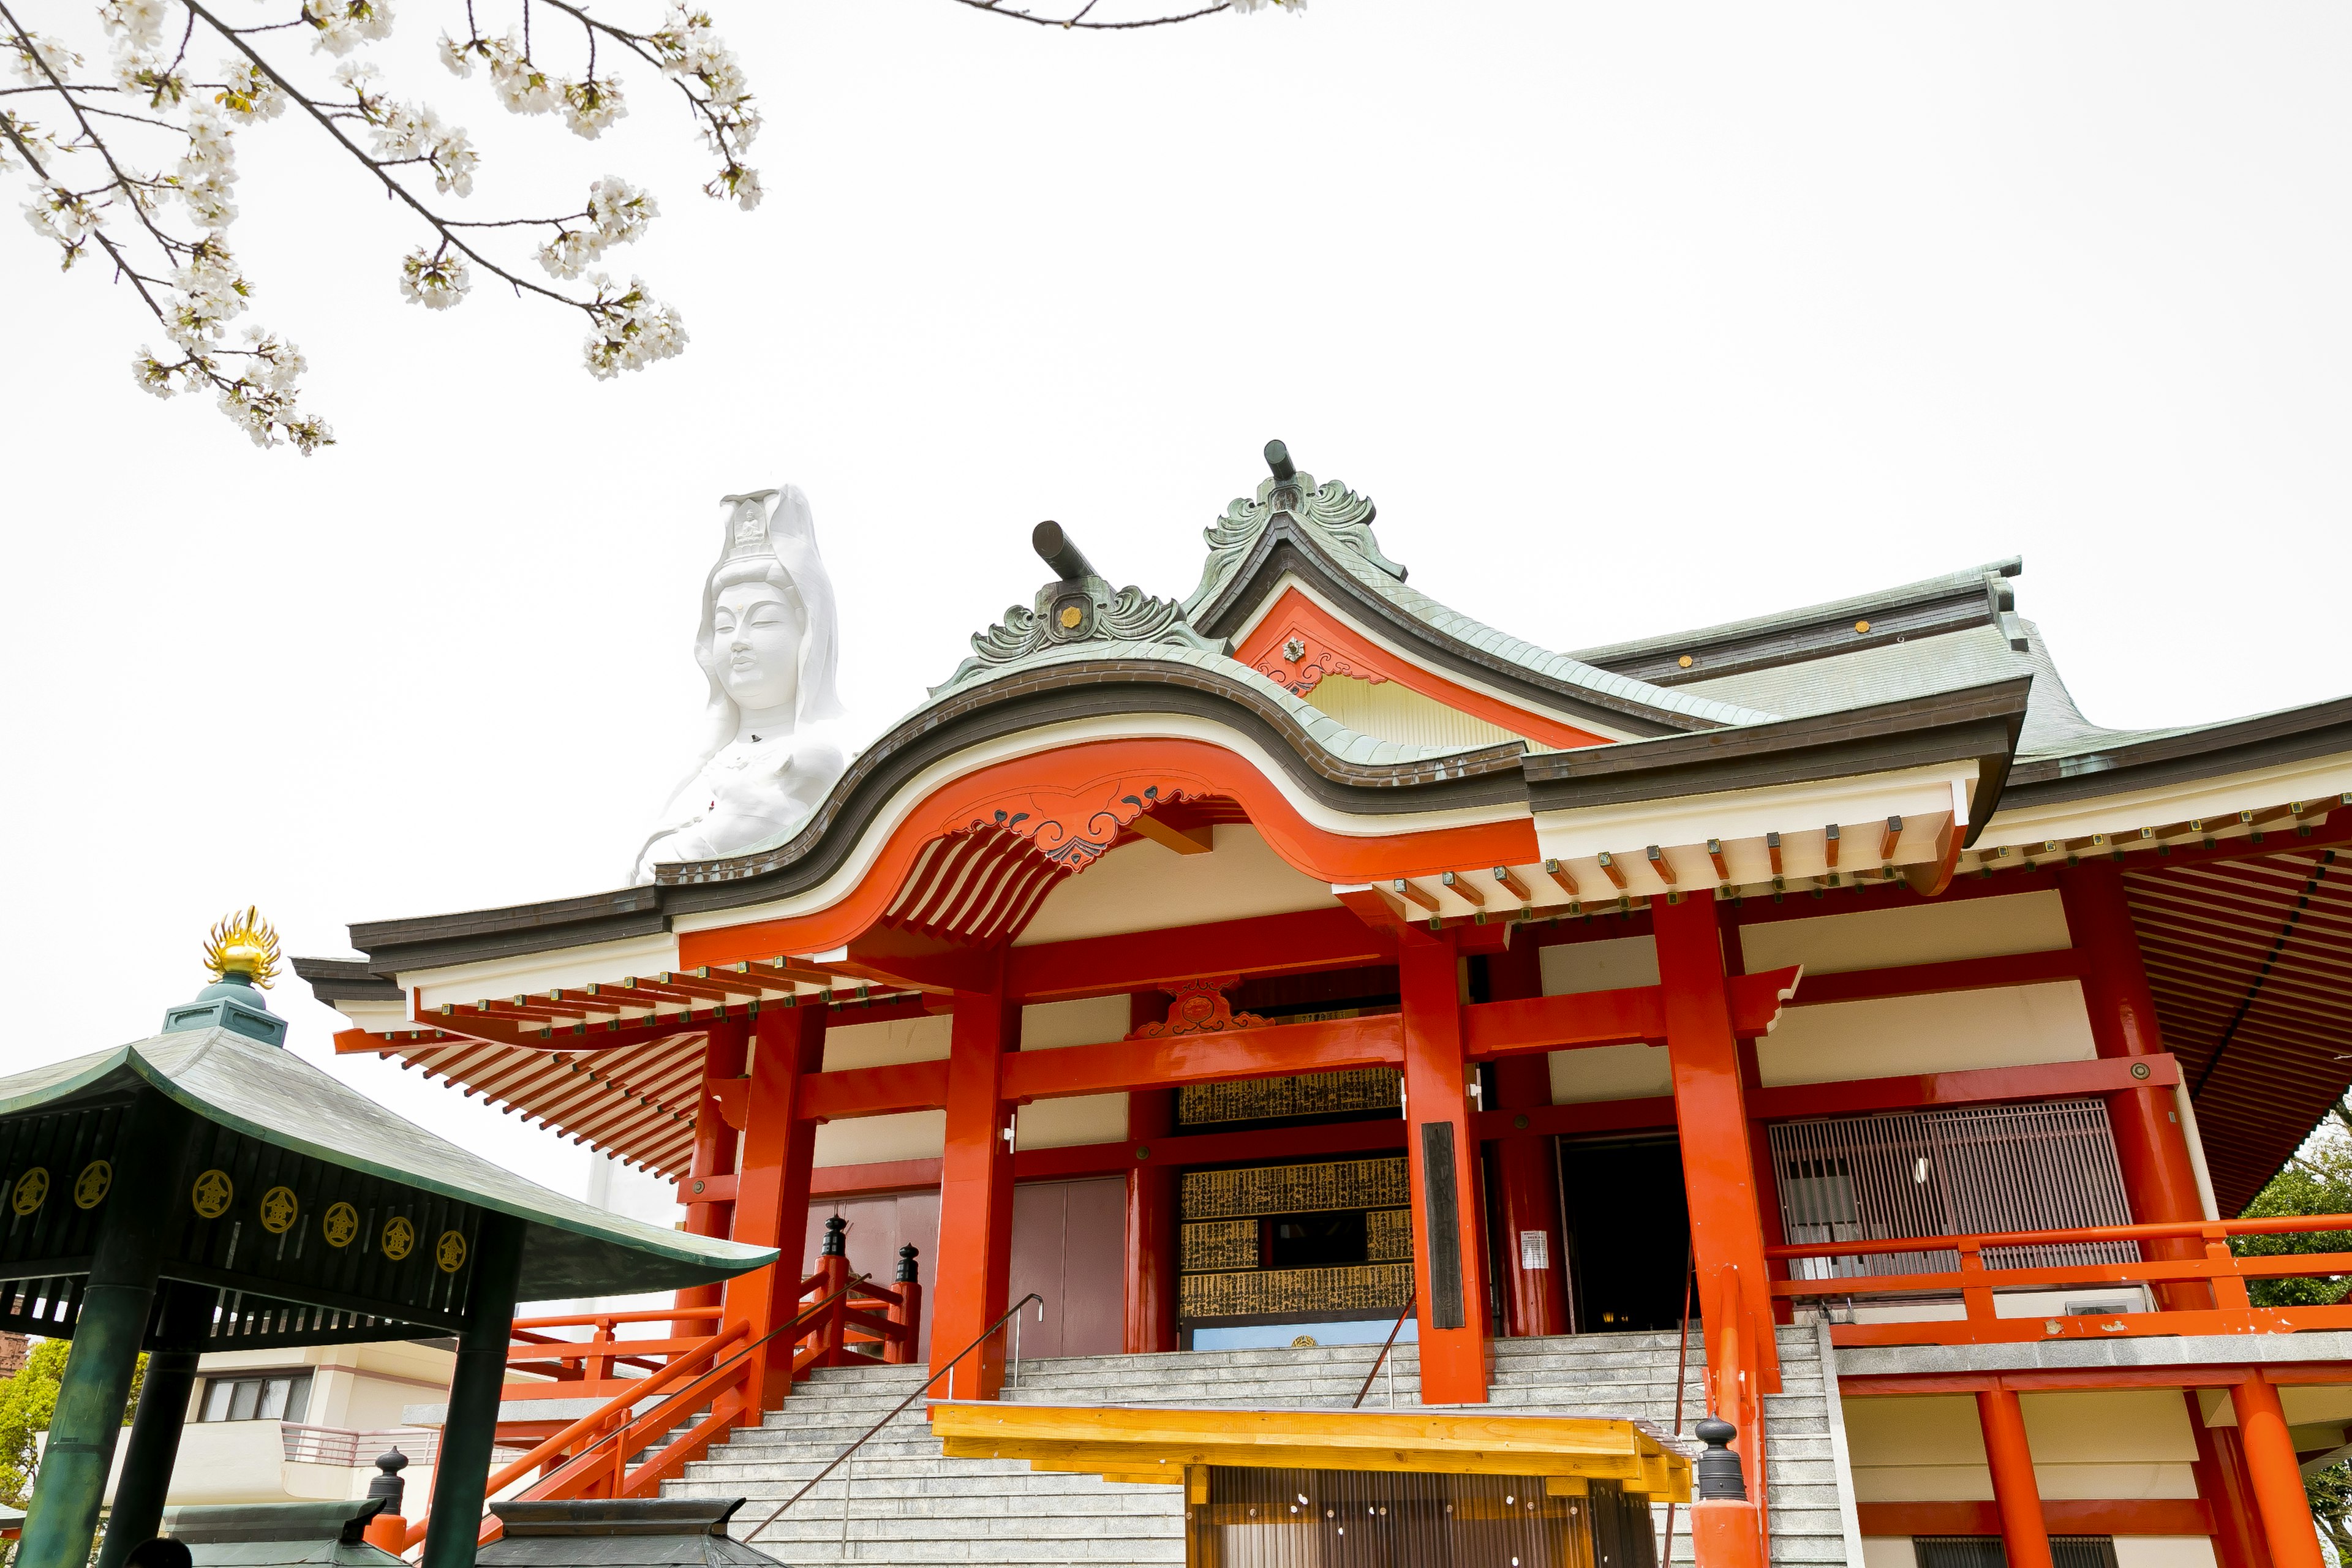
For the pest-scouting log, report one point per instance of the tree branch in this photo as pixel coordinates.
(997, 8)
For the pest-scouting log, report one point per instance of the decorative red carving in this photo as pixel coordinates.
(1199, 1007)
(1300, 662)
(1072, 830)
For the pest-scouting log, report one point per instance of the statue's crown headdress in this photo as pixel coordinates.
(242, 944)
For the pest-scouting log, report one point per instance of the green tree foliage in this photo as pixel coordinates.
(28, 1400)
(2330, 1492)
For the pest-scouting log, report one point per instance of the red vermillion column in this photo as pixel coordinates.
(772, 1194)
(2151, 1145)
(968, 1288)
(2024, 1538)
(1449, 1282)
(1719, 1169)
(714, 1155)
(2229, 1491)
(1537, 1297)
(2277, 1479)
(1150, 1225)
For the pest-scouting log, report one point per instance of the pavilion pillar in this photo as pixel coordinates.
(1150, 1296)
(975, 1258)
(461, 1474)
(108, 1333)
(2277, 1479)
(723, 1053)
(774, 1158)
(2024, 1538)
(1719, 1171)
(2151, 1147)
(1530, 1176)
(2228, 1489)
(1449, 1281)
(154, 1443)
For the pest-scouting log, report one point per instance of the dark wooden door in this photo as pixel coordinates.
(1069, 1245)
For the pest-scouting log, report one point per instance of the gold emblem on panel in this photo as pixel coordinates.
(90, 1187)
(32, 1190)
(399, 1237)
(449, 1252)
(213, 1193)
(280, 1209)
(339, 1224)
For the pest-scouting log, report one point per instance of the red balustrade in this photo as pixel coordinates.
(2223, 1305)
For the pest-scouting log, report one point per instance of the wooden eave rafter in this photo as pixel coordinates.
(1159, 1441)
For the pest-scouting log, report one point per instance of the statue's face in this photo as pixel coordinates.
(755, 634)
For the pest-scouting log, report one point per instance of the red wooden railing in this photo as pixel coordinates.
(2212, 1274)
(705, 1385)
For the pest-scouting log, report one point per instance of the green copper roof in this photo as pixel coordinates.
(570, 1248)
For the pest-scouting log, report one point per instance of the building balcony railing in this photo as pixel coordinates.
(2197, 1283)
(351, 1449)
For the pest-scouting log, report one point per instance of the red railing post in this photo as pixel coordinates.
(907, 1316)
(832, 1281)
(1975, 1290)
(2229, 1284)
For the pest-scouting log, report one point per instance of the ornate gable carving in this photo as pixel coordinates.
(1080, 608)
(1336, 515)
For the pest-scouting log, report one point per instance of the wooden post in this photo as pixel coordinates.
(1718, 1170)
(909, 1314)
(2024, 1538)
(2277, 1479)
(2151, 1146)
(832, 1281)
(139, 1495)
(1537, 1297)
(462, 1471)
(724, 1054)
(150, 1195)
(772, 1192)
(2228, 1489)
(975, 1258)
(1151, 1297)
(1449, 1281)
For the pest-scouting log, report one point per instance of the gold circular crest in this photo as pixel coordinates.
(213, 1193)
(32, 1190)
(90, 1187)
(340, 1224)
(449, 1252)
(280, 1209)
(399, 1237)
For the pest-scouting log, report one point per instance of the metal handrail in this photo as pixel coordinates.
(810, 1485)
(1394, 1329)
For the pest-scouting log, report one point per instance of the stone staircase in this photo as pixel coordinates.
(911, 1506)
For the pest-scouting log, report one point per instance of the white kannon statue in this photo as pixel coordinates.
(771, 746)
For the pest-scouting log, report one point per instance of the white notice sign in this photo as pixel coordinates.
(1535, 1249)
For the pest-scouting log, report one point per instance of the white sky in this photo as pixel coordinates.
(1629, 319)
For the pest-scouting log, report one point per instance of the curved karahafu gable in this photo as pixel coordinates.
(570, 1248)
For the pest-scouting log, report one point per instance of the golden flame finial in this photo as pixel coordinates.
(242, 944)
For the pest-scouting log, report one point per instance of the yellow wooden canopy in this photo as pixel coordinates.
(1161, 1443)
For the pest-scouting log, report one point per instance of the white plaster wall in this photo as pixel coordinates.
(1143, 887)
(1608, 1072)
(2119, 1443)
(1389, 711)
(1889, 1552)
(869, 1139)
(1089, 1021)
(1914, 933)
(2164, 1551)
(2313, 1404)
(923, 1039)
(1065, 1123)
(1604, 1072)
(1957, 1030)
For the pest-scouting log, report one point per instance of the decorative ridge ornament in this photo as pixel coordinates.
(769, 643)
(242, 944)
(1342, 518)
(1078, 606)
(1198, 1006)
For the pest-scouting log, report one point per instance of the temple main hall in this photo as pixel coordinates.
(1289, 1074)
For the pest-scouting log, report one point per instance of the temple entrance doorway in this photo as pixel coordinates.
(1069, 1245)
(1628, 1232)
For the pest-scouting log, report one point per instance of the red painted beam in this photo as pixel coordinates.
(1619, 1017)
(1276, 1050)
(1933, 979)
(881, 1176)
(1111, 1158)
(876, 1091)
(1596, 1116)
(2203, 1374)
(2060, 1516)
(1138, 960)
(2040, 1080)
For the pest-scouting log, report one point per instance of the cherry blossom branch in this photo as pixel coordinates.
(998, 8)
